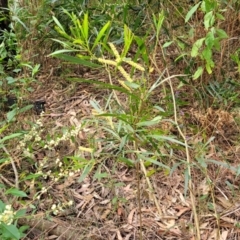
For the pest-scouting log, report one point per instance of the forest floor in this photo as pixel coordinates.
(108, 207)
(92, 185)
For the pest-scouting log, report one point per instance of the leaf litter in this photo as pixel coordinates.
(106, 209)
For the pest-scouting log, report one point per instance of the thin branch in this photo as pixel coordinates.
(6, 181)
(13, 166)
(151, 189)
(190, 185)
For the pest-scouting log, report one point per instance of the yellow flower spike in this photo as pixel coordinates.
(135, 65)
(115, 51)
(124, 85)
(106, 61)
(84, 149)
(125, 74)
(118, 60)
(109, 119)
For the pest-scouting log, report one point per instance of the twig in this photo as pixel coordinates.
(151, 193)
(190, 185)
(6, 181)
(139, 195)
(13, 166)
(3, 196)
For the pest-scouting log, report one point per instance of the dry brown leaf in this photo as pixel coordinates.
(224, 235)
(106, 212)
(224, 202)
(52, 237)
(119, 236)
(127, 188)
(105, 201)
(170, 223)
(68, 182)
(96, 195)
(120, 211)
(229, 220)
(112, 237)
(214, 235)
(96, 211)
(131, 215)
(128, 236)
(185, 203)
(182, 210)
(204, 187)
(204, 225)
(174, 231)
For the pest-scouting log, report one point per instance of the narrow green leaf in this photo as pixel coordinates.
(127, 161)
(158, 22)
(167, 44)
(80, 27)
(151, 172)
(26, 108)
(113, 133)
(104, 85)
(132, 85)
(202, 162)
(123, 141)
(77, 60)
(98, 175)
(101, 34)
(87, 169)
(64, 43)
(219, 163)
(152, 122)
(14, 135)
(155, 162)
(16, 192)
(11, 114)
(85, 26)
(191, 12)
(128, 38)
(58, 24)
(61, 51)
(31, 176)
(166, 138)
(141, 49)
(180, 57)
(79, 42)
(198, 73)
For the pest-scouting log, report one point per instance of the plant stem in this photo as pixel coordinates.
(190, 184)
(13, 166)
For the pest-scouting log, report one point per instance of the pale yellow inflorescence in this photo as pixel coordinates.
(136, 65)
(115, 51)
(125, 74)
(106, 61)
(7, 215)
(57, 208)
(117, 62)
